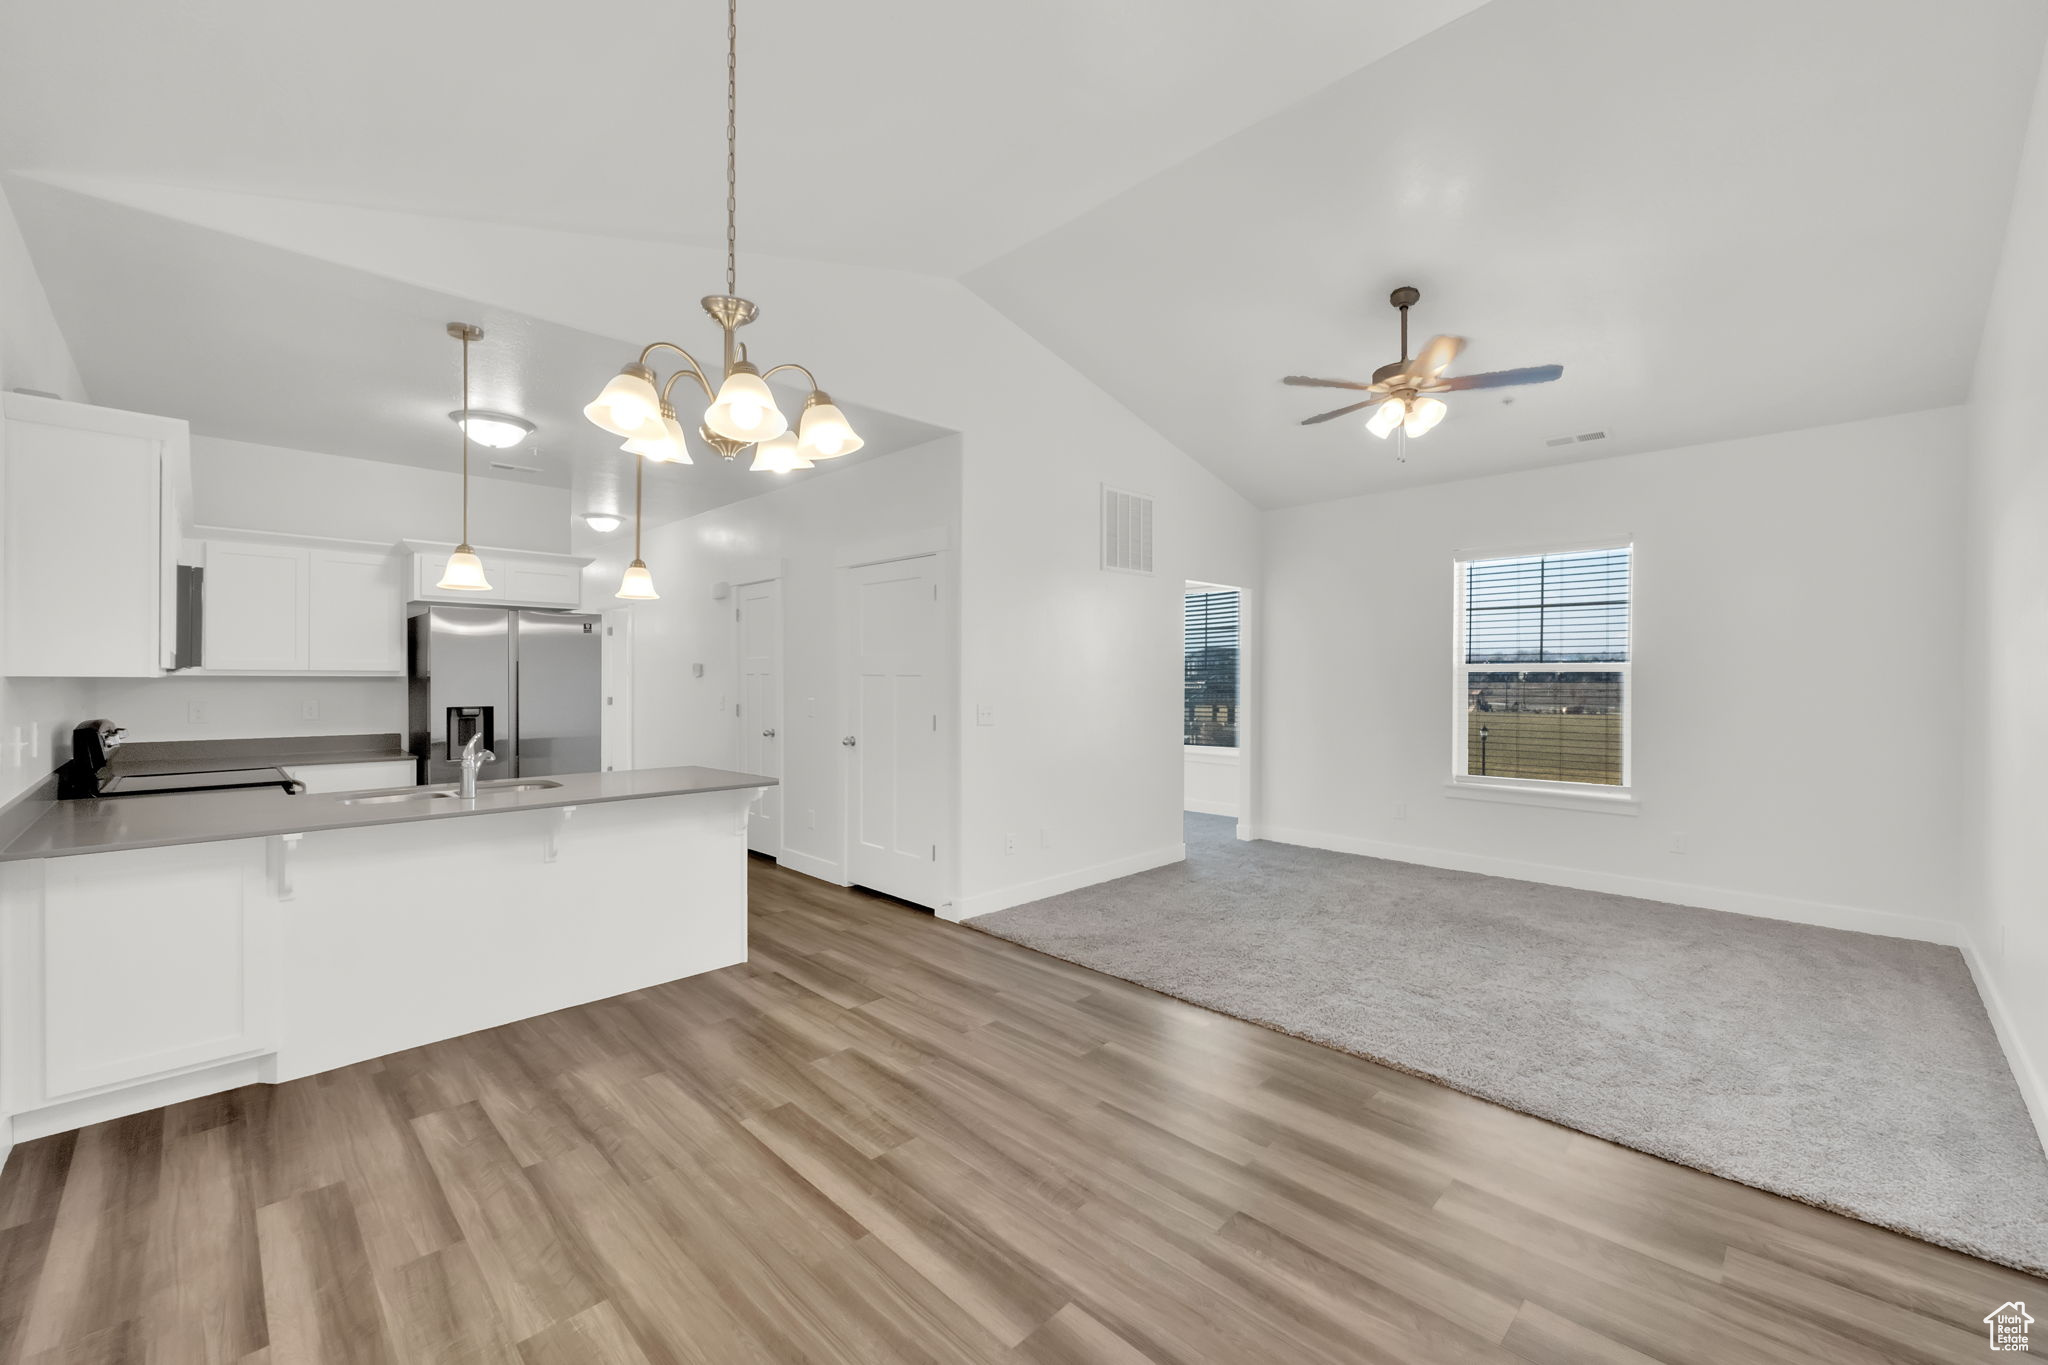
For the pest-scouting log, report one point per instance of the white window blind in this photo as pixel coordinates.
(1209, 657)
(1543, 668)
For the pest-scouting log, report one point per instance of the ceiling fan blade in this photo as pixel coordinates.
(1500, 379)
(1303, 381)
(1435, 357)
(1337, 412)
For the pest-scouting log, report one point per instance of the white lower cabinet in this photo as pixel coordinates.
(355, 777)
(122, 967)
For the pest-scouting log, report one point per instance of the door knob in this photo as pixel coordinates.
(848, 741)
(767, 734)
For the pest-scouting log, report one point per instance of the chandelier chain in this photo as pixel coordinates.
(732, 202)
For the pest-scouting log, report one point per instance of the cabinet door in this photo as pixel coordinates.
(83, 540)
(358, 612)
(543, 585)
(154, 960)
(256, 607)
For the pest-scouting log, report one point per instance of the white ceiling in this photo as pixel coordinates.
(924, 134)
(1722, 218)
(252, 343)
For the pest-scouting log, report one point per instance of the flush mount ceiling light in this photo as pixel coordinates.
(465, 571)
(604, 523)
(1404, 391)
(498, 430)
(742, 411)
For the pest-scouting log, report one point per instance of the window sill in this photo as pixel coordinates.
(1604, 803)
(1211, 753)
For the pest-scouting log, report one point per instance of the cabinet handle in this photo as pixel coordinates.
(848, 741)
(767, 734)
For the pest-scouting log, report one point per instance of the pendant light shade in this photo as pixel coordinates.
(1424, 414)
(824, 433)
(638, 584)
(464, 571)
(628, 406)
(669, 447)
(745, 408)
(1386, 417)
(780, 455)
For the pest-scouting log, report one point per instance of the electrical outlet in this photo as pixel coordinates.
(1678, 843)
(1400, 810)
(1009, 843)
(1044, 837)
(985, 713)
(195, 713)
(309, 709)
(810, 819)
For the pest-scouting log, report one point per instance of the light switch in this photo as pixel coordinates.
(696, 670)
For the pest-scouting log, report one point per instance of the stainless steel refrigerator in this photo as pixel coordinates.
(527, 681)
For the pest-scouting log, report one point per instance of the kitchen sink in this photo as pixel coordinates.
(503, 784)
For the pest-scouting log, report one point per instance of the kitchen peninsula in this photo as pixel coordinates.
(161, 948)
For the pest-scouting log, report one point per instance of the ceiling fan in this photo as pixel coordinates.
(1405, 390)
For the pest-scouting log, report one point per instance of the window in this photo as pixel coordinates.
(1543, 669)
(1209, 696)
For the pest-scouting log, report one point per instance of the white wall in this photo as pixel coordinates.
(301, 492)
(2007, 804)
(1796, 643)
(1211, 780)
(803, 533)
(33, 355)
(1041, 624)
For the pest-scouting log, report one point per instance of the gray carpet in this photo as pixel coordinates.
(1851, 1071)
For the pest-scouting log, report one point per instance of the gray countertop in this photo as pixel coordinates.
(109, 823)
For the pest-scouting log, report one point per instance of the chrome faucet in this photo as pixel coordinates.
(472, 759)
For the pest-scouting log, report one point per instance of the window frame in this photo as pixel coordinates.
(1526, 790)
(1196, 588)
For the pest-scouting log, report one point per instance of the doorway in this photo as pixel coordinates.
(1212, 699)
(898, 704)
(757, 622)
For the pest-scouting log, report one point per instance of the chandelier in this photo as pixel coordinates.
(638, 404)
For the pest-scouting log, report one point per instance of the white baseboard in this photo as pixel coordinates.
(824, 869)
(134, 1099)
(2024, 1071)
(1212, 807)
(987, 902)
(1822, 913)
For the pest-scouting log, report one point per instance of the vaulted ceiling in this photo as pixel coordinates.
(1721, 216)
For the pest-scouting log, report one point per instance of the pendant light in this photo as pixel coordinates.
(637, 585)
(742, 411)
(465, 572)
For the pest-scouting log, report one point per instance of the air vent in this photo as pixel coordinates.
(515, 468)
(1591, 436)
(1557, 441)
(1126, 531)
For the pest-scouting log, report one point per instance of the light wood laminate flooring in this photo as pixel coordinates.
(891, 1139)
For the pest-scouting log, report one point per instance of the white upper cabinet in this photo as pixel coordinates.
(358, 612)
(92, 503)
(519, 578)
(276, 604)
(257, 598)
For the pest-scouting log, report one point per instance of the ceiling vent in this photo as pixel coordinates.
(1557, 441)
(1126, 531)
(515, 468)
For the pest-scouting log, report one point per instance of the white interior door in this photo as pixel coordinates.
(896, 789)
(759, 617)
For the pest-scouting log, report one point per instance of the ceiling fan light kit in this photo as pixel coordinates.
(1404, 392)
